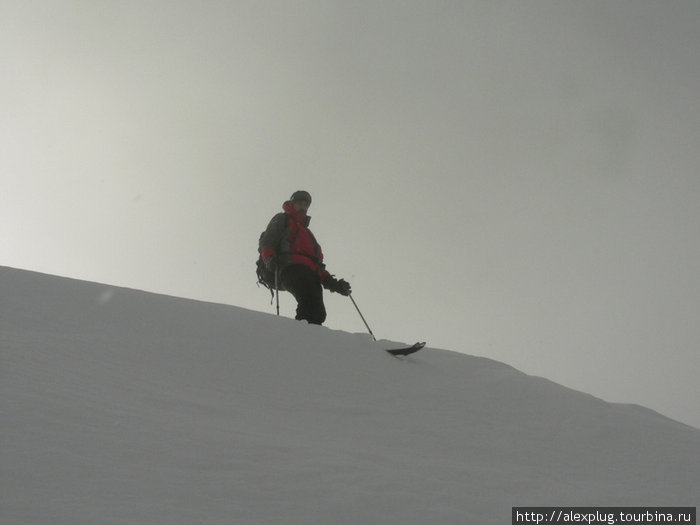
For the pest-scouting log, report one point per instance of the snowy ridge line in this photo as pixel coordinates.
(121, 406)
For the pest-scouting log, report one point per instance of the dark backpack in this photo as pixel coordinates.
(266, 277)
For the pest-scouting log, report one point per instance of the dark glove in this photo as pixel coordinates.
(344, 287)
(339, 286)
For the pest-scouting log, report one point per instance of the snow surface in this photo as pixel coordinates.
(121, 406)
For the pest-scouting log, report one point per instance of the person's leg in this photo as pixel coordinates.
(305, 286)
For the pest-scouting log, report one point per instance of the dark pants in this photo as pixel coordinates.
(305, 285)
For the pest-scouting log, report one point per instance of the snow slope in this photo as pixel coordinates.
(121, 406)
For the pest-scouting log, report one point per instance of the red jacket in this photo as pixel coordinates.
(288, 238)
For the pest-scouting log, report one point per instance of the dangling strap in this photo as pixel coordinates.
(277, 289)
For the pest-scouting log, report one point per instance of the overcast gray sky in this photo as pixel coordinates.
(512, 179)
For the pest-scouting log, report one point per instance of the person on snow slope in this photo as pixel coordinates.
(288, 247)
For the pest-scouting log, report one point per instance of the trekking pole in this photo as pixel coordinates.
(362, 316)
(277, 290)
